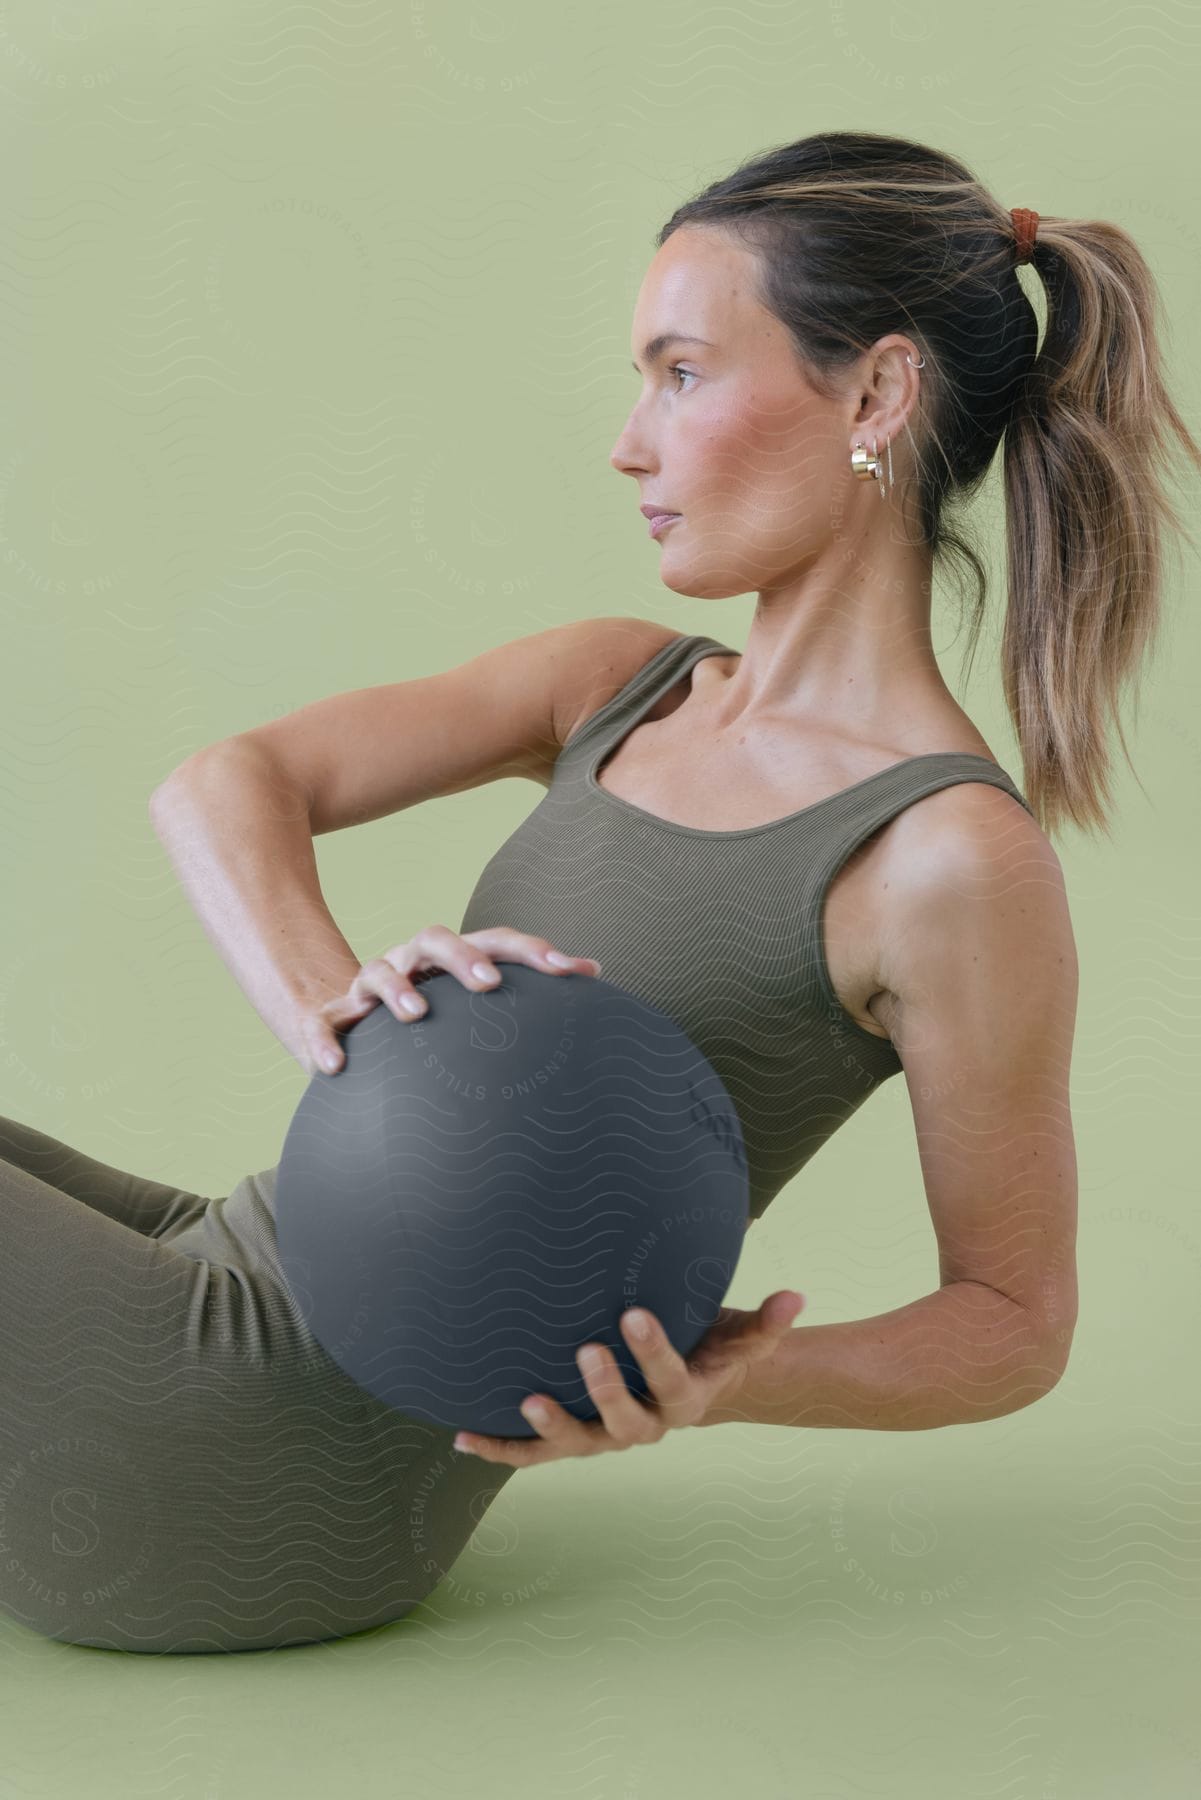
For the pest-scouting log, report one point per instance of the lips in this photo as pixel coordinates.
(650, 511)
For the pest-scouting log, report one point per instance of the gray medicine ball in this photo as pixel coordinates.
(476, 1195)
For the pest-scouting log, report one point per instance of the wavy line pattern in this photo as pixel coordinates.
(267, 437)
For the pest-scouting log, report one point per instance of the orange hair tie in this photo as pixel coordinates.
(1025, 228)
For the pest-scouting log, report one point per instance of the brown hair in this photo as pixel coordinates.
(858, 235)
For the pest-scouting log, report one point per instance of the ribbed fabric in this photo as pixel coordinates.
(182, 1467)
(720, 929)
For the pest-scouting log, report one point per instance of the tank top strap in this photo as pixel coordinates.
(846, 820)
(862, 809)
(618, 715)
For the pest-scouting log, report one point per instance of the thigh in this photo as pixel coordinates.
(95, 1367)
(147, 1207)
(182, 1466)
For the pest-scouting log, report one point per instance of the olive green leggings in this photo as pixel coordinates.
(182, 1467)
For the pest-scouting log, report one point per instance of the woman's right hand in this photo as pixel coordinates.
(392, 978)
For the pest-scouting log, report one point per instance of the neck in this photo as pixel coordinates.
(845, 645)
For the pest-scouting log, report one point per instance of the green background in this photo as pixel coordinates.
(315, 329)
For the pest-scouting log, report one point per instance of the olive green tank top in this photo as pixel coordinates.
(719, 929)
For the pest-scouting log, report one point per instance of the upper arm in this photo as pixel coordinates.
(982, 965)
(373, 751)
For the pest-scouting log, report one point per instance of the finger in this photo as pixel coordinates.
(775, 1316)
(343, 1009)
(626, 1419)
(561, 1430)
(459, 956)
(428, 952)
(667, 1374)
(558, 1434)
(537, 952)
(379, 977)
(520, 1453)
(319, 1034)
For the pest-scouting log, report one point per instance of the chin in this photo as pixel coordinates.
(692, 585)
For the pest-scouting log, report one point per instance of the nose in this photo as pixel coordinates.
(621, 459)
(630, 455)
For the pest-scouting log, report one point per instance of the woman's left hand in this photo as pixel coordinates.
(683, 1391)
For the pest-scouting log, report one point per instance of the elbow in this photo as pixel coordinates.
(155, 803)
(1041, 1370)
(1053, 1319)
(1054, 1353)
(159, 796)
(171, 784)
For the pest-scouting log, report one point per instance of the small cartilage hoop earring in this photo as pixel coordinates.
(879, 470)
(915, 365)
(890, 465)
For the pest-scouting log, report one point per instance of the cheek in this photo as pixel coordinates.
(764, 475)
(769, 447)
(713, 444)
(731, 462)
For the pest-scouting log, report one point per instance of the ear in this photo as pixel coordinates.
(889, 388)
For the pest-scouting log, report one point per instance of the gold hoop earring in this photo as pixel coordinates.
(871, 467)
(866, 466)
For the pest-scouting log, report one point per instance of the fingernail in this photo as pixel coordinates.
(639, 1324)
(330, 1060)
(560, 961)
(482, 972)
(412, 1005)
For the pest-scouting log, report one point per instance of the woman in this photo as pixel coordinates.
(805, 853)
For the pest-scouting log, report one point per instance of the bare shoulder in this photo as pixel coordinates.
(597, 657)
(976, 898)
(967, 827)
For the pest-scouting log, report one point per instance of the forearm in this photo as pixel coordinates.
(953, 1357)
(240, 841)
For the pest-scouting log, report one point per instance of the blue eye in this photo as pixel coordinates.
(675, 369)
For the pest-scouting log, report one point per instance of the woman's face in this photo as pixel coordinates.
(728, 433)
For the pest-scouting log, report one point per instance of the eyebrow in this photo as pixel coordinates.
(657, 345)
